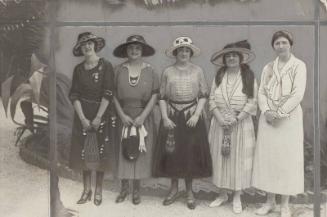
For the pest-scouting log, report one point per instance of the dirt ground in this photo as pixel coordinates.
(24, 192)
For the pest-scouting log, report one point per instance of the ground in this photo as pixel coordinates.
(24, 192)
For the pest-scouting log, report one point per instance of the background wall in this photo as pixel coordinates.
(208, 38)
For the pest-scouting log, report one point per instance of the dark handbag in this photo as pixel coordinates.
(225, 148)
(130, 145)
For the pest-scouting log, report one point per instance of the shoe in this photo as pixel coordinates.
(265, 209)
(122, 196)
(237, 207)
(285, 212)
(97, 199)
(86, 196)
(136, 198)
(219, 201)
(190, 201)
(171, 198)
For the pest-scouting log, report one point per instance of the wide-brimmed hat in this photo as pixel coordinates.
(147, 50)
(242, 47)
(87, 36)
(182, 42)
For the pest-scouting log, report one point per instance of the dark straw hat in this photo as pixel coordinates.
(121, 52)
(242, 47)
(87, 36)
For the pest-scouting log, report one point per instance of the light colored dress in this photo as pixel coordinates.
(278, 162)
(133, 100)
(235, 171)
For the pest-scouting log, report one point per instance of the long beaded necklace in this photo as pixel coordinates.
(134, 80)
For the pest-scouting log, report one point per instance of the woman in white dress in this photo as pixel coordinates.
(233, 102)
(278, 162)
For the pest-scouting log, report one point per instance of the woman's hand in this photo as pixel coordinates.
(96, 122)
(223, 122)
(139, 120)
(169, 124)
(85, 124)
(232, 121)
(193, 120)
(127, 121)
(271, 116)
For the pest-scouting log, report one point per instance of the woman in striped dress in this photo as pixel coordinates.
(233, 102)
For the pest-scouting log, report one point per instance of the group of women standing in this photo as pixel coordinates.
(182, 148)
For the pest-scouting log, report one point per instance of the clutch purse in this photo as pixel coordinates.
(130, 144)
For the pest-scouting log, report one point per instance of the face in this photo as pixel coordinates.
(134, 51)
(183, 54)
(282, 46)
(88, 48)
(232, 59)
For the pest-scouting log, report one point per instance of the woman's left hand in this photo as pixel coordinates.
(193, 120)
(96, 123)
(139, 120)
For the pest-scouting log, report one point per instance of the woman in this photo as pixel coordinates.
(280, 136)
(183, 149)
(137, 88)
(233, 102)
(91, 93)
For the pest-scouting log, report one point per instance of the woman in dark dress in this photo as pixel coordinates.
(183, 149)
(91, 93)
(137, 87)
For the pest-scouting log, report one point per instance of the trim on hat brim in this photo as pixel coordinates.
(195, 50)
(217, 58)
(120, 50)
(100, 43)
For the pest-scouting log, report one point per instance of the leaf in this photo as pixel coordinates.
(23, 91)
(5, 93)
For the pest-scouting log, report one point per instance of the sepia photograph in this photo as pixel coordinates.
(162, 108)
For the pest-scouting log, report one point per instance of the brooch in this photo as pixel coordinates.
(95, 77)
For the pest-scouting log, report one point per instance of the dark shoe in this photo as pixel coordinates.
(86, 196)
(170, 199)
(191, 203)
(136, 198)
(97, 199)
(122, 196)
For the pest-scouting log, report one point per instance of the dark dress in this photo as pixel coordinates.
(89, 87)
(183, 152)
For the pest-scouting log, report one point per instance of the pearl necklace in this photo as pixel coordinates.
(133, 81)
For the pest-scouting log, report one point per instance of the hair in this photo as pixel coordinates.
(246, 74)
(175, 51)
(282, 34)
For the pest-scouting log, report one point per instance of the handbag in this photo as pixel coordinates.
(170, 144)
(130, 144)
(225, 148)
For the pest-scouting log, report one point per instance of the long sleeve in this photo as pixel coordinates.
(212, 103)
(252, 103)
(74, 92)
(262, 98)
(298, 89)
(108, 82)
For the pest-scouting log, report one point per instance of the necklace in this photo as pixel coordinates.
(134, 80)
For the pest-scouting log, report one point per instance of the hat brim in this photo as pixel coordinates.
(99, 44)
(121, 50)
(217, 58)
(195, 50)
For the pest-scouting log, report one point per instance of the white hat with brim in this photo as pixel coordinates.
(182, 42)
(242, 47)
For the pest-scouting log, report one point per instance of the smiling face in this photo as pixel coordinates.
(282, 47)
(134, 51)
(232, 59)
(183, 54)
(88, 48)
